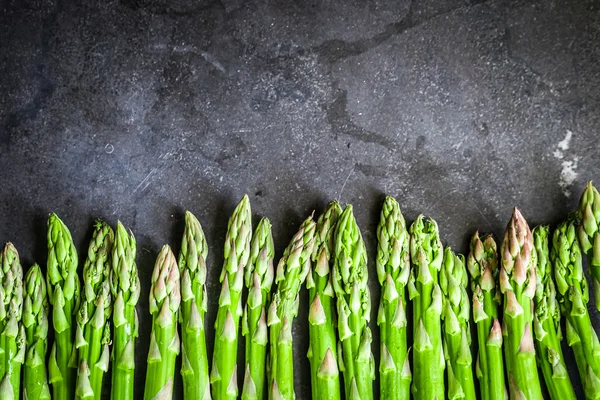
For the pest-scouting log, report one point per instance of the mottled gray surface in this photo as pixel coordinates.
(140, 109)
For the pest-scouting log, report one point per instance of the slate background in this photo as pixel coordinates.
(140, 109)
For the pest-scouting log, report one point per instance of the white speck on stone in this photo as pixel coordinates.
(568, 172)
(109, 148)
(564, 144)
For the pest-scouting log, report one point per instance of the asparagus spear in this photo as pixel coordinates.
(223, 376)
(63, 290)
(546, 323)
(12, 332)
(258, 279)
(457, 330)
(35, 321)
(291, 273)
(518, 284)
(350, 277)
(92, 335)
(165, 298)
(393, 270)
(589, 234)
(322, 353)
(482, 264)
(125, 289)
(192, 264)
(426, 254)
(573, 296)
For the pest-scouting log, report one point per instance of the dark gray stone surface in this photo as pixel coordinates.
(140, 109)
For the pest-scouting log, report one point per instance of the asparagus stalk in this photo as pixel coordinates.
(393, 270)
(92, 335)
(482, 264)
(125, 289)
(165, 298)
(573, 296)
(322, 353)
(350, 277)
(426, 254)
(63, 290)
(291, 273)
(546, 323)
(35, 321)
(589, 234)
(518, 284)
(457, 330)
(12, 332)
(223, 376)
(192, 264)
(258, 279)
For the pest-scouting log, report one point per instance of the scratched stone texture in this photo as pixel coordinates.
(137, 110)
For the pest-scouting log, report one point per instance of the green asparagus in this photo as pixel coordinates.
(223, 375)
(12, 331)
(518, 284)
(35, 321)
(92, 335)
(482, 264)
(426, 254)
(63, 289)
(258, 279)
(291, 273)
(125, 289)
(573, 296)
(165, 298)
(350, 278)
(457, 329)
(589, 235)
(322, 353)
(192, 264)
(546, 323)
(393, 270)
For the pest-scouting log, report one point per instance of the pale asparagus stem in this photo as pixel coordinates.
(573, 296)
(165, 299)
(192, 264)
(63, 290)
(322, 353)
(35, 321)
(589, 235)
(482, 264)
(426, 254)
(393, 270)
(223, 375)
(125, 289)
(350, 278)
(291, 273)
(258, 279)
(12, 331)
(547, 323)
(457, 329)
(94, 311)
(518, 283)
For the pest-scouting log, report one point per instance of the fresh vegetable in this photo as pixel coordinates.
(589, 234)
(291, 273)
(223, 376)
(426, 254)
(63, 290)
(35, 321)
(482, 264)
(350, 278)
(258, 279)
(573, 296)
(125, 289)
(165, 299)
(393, 270)
(322, 352)
(192, 265)
(518, 285)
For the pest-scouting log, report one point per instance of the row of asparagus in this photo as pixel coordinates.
(516, 299)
